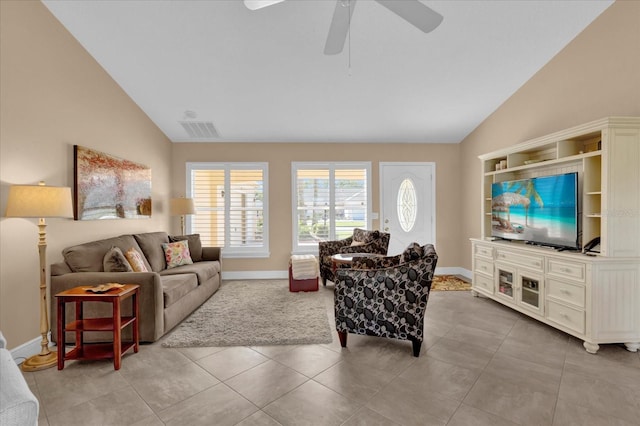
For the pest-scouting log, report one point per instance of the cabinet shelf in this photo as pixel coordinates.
(544, 163)
(97, 324)
(96, 351)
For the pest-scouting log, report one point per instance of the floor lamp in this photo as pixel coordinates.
(40, 201)
(181, 207)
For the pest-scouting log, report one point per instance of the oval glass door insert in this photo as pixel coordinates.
(407, 205)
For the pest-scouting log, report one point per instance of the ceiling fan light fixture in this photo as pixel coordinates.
(259, 4)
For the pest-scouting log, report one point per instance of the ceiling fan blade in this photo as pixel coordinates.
(339, 26)
(259, 4)
(414, 12)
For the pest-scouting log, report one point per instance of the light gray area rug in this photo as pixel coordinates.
(254, 313)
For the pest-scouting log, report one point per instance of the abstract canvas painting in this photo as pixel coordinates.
(107, 187)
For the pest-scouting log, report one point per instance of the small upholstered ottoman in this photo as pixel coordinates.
(303, 273)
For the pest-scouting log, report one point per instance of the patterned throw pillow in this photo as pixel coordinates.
(177, 253)
(195, 245)
(135, 260)
(114, 261)
(413, 252)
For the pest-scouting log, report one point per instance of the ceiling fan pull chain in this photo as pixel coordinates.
(349, 1)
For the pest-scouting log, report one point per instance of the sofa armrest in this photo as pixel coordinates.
(151, 299)
(211, 253)
(18, 405)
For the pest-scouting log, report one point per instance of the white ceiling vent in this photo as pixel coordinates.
(200, 129)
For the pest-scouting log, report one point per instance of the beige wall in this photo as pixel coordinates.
(54, 95)
(279, 158)
(596, 75)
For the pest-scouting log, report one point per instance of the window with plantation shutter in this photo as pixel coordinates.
(329, 201)
(231, 207)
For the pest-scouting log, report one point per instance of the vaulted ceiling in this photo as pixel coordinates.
(262, 76)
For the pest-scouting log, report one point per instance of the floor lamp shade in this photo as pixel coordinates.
(40, 201)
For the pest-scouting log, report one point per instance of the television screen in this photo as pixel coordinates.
(541, 210)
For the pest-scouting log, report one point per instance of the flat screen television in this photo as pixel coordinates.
(540, 210)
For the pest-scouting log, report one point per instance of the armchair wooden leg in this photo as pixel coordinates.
(417, 344)
(342, 335)
(324, 281)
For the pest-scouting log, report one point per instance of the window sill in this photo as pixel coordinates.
(245, 255)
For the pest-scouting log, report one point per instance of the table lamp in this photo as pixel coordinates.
(40, 201)
(181, 207)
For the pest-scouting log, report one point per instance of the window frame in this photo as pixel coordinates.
(331, 166)
(228, 167)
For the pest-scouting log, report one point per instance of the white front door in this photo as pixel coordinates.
(408, 204)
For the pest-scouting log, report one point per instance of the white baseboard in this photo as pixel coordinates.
(455, 270)
(283, 275)
(30, 348)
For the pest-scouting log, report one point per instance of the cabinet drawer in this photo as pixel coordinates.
(484, 251)
(570, 293)
(483, 283)
(530, 261)
(564, 269)
(570, 318)
(483, 266)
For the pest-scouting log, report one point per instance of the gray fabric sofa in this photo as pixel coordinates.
(167, 296)
(18, 405)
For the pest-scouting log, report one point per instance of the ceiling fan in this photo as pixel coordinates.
(417, 14)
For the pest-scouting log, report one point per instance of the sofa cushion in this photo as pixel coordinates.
(135, 259)
(175, 287)
(195, 245)
(204, 270)
(114, 261)
(151, 245)
(177, 254)
(88, 257)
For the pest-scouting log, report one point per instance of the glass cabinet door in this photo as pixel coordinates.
(531, 291)
(506, 284)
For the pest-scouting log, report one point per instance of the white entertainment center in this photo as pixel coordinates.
(593, 296)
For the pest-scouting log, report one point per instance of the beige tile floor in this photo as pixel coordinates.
(481, 364)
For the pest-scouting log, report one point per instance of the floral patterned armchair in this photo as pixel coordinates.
(387, 298)
(362, 241)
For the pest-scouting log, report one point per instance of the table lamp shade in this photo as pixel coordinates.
(182, 206)
(39, 201)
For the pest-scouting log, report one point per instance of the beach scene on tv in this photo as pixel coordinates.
(540, 210)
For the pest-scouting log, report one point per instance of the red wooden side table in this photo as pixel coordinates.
(116, 323)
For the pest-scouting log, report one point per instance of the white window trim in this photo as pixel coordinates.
(236, 252)
(332, 166)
